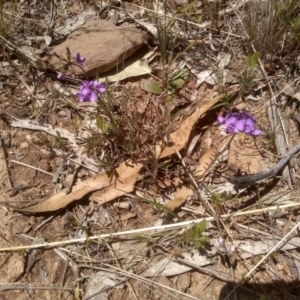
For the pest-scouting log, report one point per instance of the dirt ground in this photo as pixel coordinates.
(80, 262)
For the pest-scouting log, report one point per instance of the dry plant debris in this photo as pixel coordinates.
(149, 149)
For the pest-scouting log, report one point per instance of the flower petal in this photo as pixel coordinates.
(79, 59)
(256, 133)
(221, 119)
(230, 121)
(100, 87)
(249, 125)
(80, 96)
(230, 129)
(240, 125)
(93, 96)
(85, 91)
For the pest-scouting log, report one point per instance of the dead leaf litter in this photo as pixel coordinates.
(125, 129)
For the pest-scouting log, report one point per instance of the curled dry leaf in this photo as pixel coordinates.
(95, 183)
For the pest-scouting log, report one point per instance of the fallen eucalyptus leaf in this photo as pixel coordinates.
(133, 67)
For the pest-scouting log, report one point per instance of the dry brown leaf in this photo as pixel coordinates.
(115, 186)
(113, 191)
(98, 182)
(180, 197)
(181, 135)
(205, 162)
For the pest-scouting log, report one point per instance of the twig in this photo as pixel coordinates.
(4, 158)
(251, 179)
(203, 270)
(272, 250)
(18, 286)
(277, 246)
(31, 167)
(115, 270)
(154, 228)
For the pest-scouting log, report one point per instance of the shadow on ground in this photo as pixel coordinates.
(278, 290)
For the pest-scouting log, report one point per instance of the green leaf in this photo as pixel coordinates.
(178, 80)
(200, 227)
(151, 86)
(204, 240)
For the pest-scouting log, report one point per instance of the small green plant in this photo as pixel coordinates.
(173, 85)
(246, 82)
(275, 256)
(262, 266)
(122, 133)
(195, 235)
(217, 199)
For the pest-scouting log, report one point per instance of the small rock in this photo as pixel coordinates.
(103, 44)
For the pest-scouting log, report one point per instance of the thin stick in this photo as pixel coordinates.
(272, 250)
(267, 255)
(28, 287)
(31, 167)
(6, 164)
(116, 270)
(154, 228)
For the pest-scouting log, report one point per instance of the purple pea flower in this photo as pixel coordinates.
(86, 94)
(86, 84)
(230, 124)
(79, 59)
(239, 122)
(100, 87)
(89, 89)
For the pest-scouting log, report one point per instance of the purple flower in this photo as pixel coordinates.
(86, 94)
(256, 133)
(230, 125)
(89, 89)
(239, 122)
(79, 59)
(87, 84)
(100, 87)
